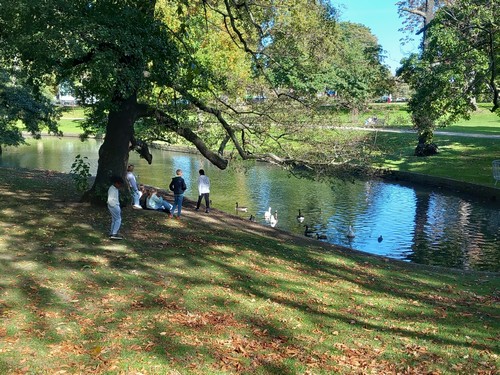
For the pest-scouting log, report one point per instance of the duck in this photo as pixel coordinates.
(321, 236)
(300, 218)
(308, 232)
(380, 239)
(274, 219)
(241, 208)
(267, 214)
(350, 233)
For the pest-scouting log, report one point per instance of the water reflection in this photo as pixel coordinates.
(418, 225)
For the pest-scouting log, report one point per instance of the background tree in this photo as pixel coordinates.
(357, 70)
(22, 102)
(459, 62)
(418, 14)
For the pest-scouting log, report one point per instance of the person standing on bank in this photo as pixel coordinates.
(203, 190)
(178, 186)
(132, 182)
(114, 207)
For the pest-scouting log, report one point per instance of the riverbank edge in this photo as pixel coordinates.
(489, 193)
(364, 281)
(284, 235)
(479, 191)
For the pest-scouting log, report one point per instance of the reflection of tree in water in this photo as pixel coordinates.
(461, 244)
(420, 247)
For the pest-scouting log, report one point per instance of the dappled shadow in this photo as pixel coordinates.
(214, 292)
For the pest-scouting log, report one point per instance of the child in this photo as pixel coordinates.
(178, 186)
(114, 207)
(156, 202)
(203, 190)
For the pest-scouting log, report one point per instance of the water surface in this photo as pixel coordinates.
(417, 224)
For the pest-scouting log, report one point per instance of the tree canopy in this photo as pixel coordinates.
(459, 62)
(22, 101)
(148, 70)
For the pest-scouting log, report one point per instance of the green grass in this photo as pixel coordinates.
(213, 294)
(481, 121)
(395, 115)
(460, 158)
(71, 120)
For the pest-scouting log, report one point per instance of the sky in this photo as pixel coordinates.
(381, 17)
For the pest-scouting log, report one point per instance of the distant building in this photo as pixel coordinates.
(65, 95)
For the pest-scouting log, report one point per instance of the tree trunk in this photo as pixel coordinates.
(114, 152)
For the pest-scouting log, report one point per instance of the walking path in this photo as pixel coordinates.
(437, 132)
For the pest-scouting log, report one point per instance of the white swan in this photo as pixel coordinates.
(274, 219)
(267, 214)
(350, 233)
(300, 218)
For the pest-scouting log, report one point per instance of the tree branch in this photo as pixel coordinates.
(172, 124)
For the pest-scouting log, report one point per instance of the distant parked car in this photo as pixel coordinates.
(382, 99)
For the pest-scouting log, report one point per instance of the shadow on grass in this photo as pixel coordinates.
(215, 293)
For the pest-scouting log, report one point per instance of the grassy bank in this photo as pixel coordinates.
(213, 294)
(465, 159)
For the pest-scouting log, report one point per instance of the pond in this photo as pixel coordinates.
(400, 221)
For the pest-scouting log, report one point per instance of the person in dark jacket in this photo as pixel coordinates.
(178, 186)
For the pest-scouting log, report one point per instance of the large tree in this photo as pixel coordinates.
(460, 62)
(149, 70)
(417, 16)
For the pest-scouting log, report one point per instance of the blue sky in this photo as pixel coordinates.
(382, 18)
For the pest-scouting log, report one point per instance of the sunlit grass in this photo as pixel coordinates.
(460, 158)
(214, 294)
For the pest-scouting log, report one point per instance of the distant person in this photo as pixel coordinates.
(178, 186)
(132, 183)
(157, 202)
(114, 207)
(203, 191)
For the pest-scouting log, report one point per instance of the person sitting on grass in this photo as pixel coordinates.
(157, 202)
(144, 197)
(114, 206)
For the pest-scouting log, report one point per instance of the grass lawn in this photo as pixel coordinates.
(481, 121)
(395, 115)
(214, 294)
(71, 119)
(460, 158)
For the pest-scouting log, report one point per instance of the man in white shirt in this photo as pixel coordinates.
(203, 190)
